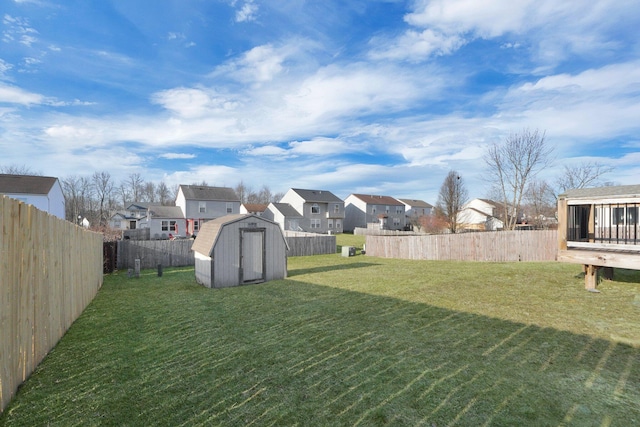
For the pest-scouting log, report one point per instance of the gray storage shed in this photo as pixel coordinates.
(239, 249)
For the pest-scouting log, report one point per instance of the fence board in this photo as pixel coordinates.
(50, 270)
(539, 245)
(169, 253)
(307, 244)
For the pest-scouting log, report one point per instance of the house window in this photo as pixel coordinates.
(202, 207)
(398, 209)
(373, 209)
(336, 208)
(338, 224)
(315, 224)
(196, 225)
(168, 225)
(229, 208)
(117, 224)
(396, 222)
(330, 224)
(386, 209)
(619, 214)
(315, 209)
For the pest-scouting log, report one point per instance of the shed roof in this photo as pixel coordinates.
(203, 192)
(321, 196)
(378, 200)
(210, 230)
(26, 184)
(603, 192)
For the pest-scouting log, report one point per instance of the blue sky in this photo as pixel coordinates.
(376, 97)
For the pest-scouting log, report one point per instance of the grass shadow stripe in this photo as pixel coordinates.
(624, 376)
(506, 339)
(600, 366)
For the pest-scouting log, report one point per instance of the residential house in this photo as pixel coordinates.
(253, 208)
(416, 209)
(200, 203)
(165, 222)
(321, 210)
(43, 192)
(131, 218)
(284, 215)
(369, 211)
(481, 214)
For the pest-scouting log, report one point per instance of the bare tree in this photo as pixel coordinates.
(584, 175)
(164, 194)
(541, 203)
(453, 195)
(77, 194)
(512, 164)
(18, 170)
(135, 185)
(243, 191)
(103, 188)
(149, 192)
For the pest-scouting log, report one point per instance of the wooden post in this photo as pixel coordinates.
(562, 224)
(591, 278)
(137, 267)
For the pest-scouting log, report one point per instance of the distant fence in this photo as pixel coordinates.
(169, 253)
(496, 246)
(306, 244)
(359, 231)
(50, 270)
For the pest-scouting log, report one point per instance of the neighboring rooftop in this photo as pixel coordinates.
(321, 196)
(287, 210)
(26, 184)
(202, 192)
(378, 200)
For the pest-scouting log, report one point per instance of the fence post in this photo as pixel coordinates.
(137, 267)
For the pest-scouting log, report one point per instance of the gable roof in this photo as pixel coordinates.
(287, 210)
(26, 184)
(321, 196)
(378, 200)
(416, 203)
(160, 211)
(597, 192)
(203, 192)
(210, 230)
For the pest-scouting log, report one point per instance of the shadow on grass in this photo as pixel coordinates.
(289, 352)
(312, 270)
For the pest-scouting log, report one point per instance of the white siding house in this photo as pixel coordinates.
(480, 214)
(43, 192)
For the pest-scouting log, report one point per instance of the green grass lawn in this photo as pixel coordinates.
(348, 341)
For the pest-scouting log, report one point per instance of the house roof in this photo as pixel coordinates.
(255, 207)
(287, 210)
(26, 184)
(603, 192)
(140, 206)
(321, 196)
(202, 192)
(378, 200)
(210, 230)
(416, 203)
(160, 211)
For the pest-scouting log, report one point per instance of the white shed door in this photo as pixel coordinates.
(252, 256)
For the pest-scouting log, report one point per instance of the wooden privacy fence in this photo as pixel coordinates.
(50, 270)
(540, 245)
(169, 253)
(306, 244)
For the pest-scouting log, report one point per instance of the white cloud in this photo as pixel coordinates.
(247, 12)
(15, 95)
(416, 45)
(267, 150)
(178, 156)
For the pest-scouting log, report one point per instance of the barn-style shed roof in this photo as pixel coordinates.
(210, 231)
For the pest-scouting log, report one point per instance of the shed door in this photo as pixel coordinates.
(252, 253)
